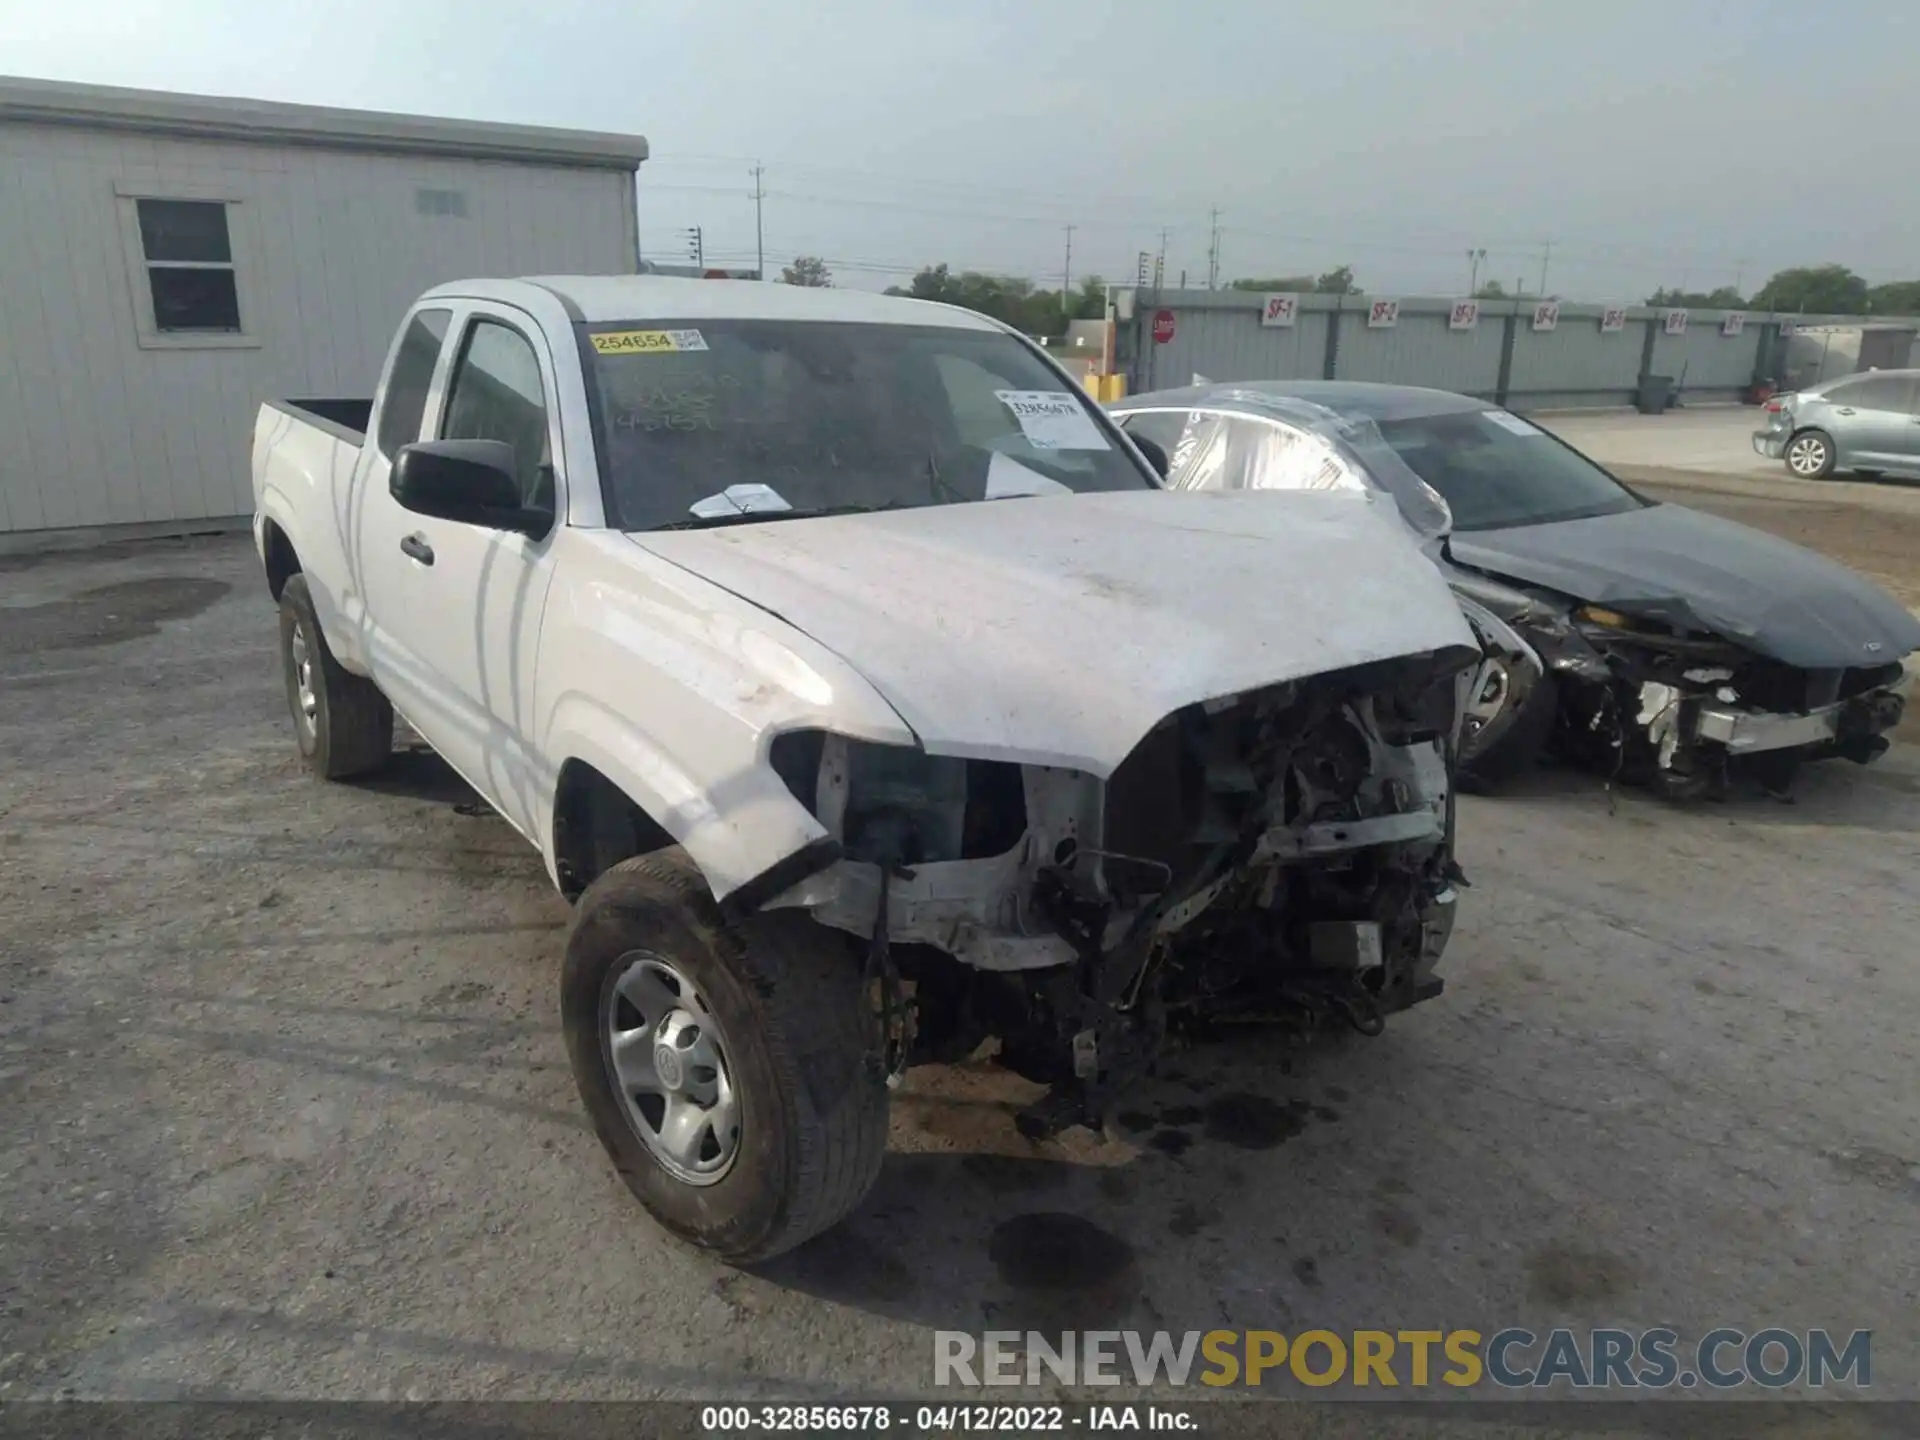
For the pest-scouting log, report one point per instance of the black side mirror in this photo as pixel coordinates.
(1156, 456)
(471, 481)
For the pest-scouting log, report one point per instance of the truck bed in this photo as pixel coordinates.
(345, 418)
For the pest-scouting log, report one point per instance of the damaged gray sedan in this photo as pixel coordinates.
(1644, 640)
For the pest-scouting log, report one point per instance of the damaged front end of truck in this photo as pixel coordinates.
(1281, 856)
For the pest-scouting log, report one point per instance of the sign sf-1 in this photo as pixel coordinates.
(1383, 314)
(1464, 315)
(1278, 311)
(1546, 315)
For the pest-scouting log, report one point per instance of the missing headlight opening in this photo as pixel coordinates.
(1681, 711)
(1281, 857)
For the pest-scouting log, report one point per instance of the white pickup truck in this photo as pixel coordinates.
(856, 677)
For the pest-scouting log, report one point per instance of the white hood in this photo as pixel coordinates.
(1060, 630)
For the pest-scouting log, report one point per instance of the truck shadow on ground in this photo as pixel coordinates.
(416, 773)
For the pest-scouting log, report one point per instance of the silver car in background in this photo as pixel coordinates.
(1868, 424)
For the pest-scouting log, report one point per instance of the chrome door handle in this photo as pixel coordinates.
(415, 547)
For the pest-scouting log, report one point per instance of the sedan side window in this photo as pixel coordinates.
(1264, 456)
(1873, 392)
(497, 394)
(1162, 427)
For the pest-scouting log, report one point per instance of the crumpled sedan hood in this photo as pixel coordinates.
(1699, 572)
(1060, 630)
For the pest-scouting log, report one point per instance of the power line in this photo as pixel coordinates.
(1213, 247)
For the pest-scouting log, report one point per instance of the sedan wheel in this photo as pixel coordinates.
(1810, 456)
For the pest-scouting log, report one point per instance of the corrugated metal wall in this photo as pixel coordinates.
(1217, 333)
(1227, 342)
(1418, 348)
(330, 248)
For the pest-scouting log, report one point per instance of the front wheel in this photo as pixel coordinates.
(725, 1067)
(1508, 745)
(1810, 455)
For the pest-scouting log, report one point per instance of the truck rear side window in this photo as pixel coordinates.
(406, 393)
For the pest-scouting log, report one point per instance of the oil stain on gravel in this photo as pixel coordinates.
(1574, 1275)
(1253, 1122)
(107, 614)
(1063, 1267)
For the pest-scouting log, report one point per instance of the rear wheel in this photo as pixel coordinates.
(343, 723)
(725, 1067)
(1810, 455)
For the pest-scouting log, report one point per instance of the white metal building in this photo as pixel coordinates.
(167, 262)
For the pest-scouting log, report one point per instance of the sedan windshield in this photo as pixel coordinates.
(1497, 470)
(733, 421)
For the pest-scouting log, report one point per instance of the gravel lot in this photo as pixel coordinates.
(287, 1112)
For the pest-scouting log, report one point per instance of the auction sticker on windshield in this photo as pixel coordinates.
(648, 342)
(1511, 423)
(1053, 420)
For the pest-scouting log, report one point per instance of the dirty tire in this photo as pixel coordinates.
(786, 993)
(1519, 749)
(351, 729)
(1810, 455)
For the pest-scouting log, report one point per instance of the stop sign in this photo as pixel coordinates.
(1162, 326)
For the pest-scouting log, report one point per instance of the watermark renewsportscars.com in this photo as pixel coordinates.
(1772, 1358)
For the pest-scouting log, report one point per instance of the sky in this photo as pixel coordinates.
(1683, 143)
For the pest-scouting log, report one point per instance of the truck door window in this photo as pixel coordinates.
(406, 392)
(497, 394)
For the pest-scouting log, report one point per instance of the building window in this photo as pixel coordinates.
(441, 202)
(189, 264)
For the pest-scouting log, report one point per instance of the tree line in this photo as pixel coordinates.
(1802, 289)
(1009, 298)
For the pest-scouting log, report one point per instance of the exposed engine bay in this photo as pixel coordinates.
(1642, 698)
(1282, 856)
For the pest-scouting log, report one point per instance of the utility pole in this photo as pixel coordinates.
(1160, 259)
(696, 250)
(1213, 247)
(759, 232)
(1546, 254)
(1066, 279)
(1474, 257)
(1740, 277)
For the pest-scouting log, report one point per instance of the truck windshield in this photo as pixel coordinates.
(721, 421)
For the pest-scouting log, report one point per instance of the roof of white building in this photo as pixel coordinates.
(217, 117)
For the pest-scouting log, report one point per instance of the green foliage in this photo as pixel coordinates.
(809, 270)
(1898, 297)
(1725, 298)
(1815, 290)
(1009, 298)
(1492, 290)
(1338, 281)
(1282, 285)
